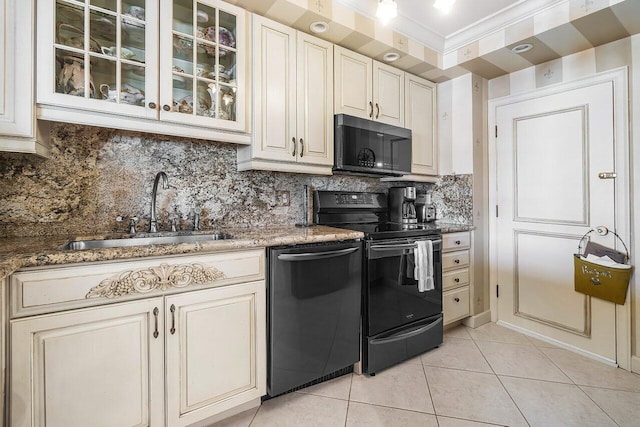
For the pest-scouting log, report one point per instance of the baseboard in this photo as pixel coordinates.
(478, 319)
(559, 344)
(635, 364)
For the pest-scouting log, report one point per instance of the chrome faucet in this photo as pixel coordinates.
(153, 224)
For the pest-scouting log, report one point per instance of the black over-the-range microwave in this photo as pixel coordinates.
(371, 148)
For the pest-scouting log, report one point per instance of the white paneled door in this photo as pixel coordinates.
(549, 152)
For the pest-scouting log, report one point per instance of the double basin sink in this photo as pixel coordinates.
(146, 240)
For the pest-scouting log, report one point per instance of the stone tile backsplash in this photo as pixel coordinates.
(96, 174)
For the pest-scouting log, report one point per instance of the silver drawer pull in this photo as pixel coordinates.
(155, 315)
(172, 309)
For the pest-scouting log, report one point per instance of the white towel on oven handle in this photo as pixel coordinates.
(423, 272)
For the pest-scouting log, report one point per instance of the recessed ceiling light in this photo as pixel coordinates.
(391, 56)
(387, 10)
(444, 6)
(522, 48)
(319, 27)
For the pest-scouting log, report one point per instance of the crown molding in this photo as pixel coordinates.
(447, 43)
(517, 12)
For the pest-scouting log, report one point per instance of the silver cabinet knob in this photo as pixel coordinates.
(166, 107)
(152, 105)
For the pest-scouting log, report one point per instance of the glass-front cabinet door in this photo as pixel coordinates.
(203, 63)
(99, 55)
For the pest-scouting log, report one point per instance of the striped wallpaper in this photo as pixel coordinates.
(570, 26)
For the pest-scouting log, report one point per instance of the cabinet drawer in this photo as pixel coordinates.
(455, 278)
(455, 304)
(455, 260)
(456, 241)
(47, 289)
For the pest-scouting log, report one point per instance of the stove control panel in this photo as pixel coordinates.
(354, 199)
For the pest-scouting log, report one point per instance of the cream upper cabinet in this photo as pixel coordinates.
(98, 367)
(215, 351)
(167, 67)
(19, 131)
(459, 107)
(388, 94)
(353, 77)
(368, 89)
(420, 101)
(293, 101)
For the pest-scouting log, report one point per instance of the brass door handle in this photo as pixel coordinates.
(155, 315)
(293, 153)
(172, 309)
(301, 147)
(377, 110)
(371, 106)
(607, 175)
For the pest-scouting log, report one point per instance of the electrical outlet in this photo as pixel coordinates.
(283, 198)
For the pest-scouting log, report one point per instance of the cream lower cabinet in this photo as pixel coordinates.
(368, 89)
(170, 359)
(212, 343)
(456, 276)
(97, 367)
(293, 101)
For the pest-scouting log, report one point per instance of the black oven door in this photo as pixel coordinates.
(392, 294)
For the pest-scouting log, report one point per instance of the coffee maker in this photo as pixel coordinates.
(401, 205)
(425, 209)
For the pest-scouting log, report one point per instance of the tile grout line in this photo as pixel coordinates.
(346, 416)
(433, 405)
(596, 403)
(501, 383)
(473, 421)
(254, 415)
(558, 366)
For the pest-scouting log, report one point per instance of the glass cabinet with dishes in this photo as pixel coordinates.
(202, 62)
(98, 55)
(180, 61)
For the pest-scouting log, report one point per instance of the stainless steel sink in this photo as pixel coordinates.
(144, 241)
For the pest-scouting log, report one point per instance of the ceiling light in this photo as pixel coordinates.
(319, 27)
(522, 48)
(391, 56)
(444, 6)
(387, 10)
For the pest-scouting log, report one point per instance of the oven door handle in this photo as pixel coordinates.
(399, 246)
(406, 335)
(311, 256)
(382, 248)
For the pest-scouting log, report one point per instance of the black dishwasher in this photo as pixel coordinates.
(313, 312)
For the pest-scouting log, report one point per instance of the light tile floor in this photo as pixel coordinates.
(479, 377)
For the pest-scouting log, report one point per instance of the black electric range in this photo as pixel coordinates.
(399, 320)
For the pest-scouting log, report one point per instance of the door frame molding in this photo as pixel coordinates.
(619, 79)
